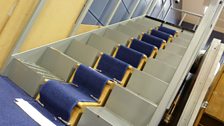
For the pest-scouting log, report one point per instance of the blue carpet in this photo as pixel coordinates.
(13, 115)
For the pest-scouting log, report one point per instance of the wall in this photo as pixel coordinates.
(5, 8)
(220, 23)
(12, 26)
(196, 6)
(55, 22)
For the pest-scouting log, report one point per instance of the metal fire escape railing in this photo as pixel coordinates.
(184, 13)
(198, 41)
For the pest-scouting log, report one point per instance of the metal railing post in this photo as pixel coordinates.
(188, 12)
(161, 11)
(113, 13)
(150, 7)
(198, 22)
(134, 9)
(81, 17)
(182, 19)
(168, 11)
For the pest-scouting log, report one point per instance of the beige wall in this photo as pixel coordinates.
(196, 6)
(12, 26)
(54, 23)
(220, 24)
(86, 28)
(6, 6)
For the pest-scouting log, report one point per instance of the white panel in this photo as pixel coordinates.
(176, 49)
(186, 35)
(140, 27)
(148, 22)
(169, 58)
(147, 86)
(181, 42)
(130, 106)
(160, 70)
(106, 116)
(129, 30)
(103, 44)
(89, 118)
(42, 71)
(116, 36)
(57, 63)
(82, 53)
(24, 77)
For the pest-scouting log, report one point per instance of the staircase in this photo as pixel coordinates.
(134, 104)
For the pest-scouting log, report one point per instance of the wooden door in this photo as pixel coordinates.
(213, 113)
